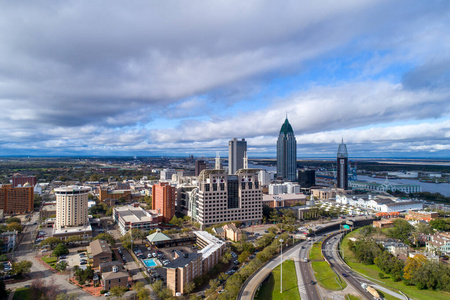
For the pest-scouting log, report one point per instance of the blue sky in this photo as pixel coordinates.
(179, 78)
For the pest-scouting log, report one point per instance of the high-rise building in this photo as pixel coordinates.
(200, 165)
(71, 207)
(163, 200)
(286, 153)
(16, 200)
(342, 167)
(19, 179)
(225, 198)
(236, 152)
(306, 178)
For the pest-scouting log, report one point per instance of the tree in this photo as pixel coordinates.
(60, 249)
(61, 266)
(213, 285)
(176, 221)
(71, 296)
(73, 239)
(21, 267)
(226, 258)
(412, 265)
(189, 287)
(118, 291)
(126, 241)
(243, 256)
(15, 226)
(106, 237)
(52, 241)
(440, 224)
(401, 230)
(13, 220)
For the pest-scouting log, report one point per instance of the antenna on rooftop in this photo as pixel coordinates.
(217, 160)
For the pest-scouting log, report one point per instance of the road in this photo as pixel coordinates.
(330, 249)
(25, 252)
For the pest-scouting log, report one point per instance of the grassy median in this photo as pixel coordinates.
(372, 271)
(316, 252)
(270, 289)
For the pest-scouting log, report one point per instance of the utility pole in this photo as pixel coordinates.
(281, 277)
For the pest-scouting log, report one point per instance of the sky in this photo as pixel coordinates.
(183, 77)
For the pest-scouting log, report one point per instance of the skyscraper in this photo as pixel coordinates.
(236, 153)
(286, 153)
(71, 206)
(200, 165)
(342, 167)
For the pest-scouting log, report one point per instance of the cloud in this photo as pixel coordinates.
(176, 76)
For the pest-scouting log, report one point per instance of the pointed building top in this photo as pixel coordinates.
(286, 127)
(342, 150)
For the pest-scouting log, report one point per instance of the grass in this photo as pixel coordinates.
(50, 260)
(351, 297)
(316, 252)
(326, 277)
(23, 294)
(270, 289)
(372, 271)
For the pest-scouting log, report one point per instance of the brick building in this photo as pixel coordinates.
(163, 200)
(16, 200)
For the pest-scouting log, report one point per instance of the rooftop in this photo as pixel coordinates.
(114, 275)
(133, 214)
(99, 247)
(158, 236)
(213, 243)
(183, 259)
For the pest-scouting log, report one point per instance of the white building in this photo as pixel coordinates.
(264, 177)
(129, 217)
(386, 186)
(224, 198)
(71, 206)
(284, 188)
(166, 174)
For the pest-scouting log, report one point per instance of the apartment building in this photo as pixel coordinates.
(16, 200)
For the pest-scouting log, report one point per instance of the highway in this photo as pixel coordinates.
(330, 251)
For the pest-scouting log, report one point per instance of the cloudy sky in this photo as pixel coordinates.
(183, 77)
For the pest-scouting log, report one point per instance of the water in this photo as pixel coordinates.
(442, 188)
(149, 262)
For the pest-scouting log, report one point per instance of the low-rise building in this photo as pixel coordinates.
(108, 266)
(439, 243)
(100, 252)
(387, 223)
(421, 215)
(396, 248)
(113, 194)
(114, 278)
(130, 217)
(8, 240)
(48, 211)
(183, 270)
(211, 248)
(284, 200)
(232, 232)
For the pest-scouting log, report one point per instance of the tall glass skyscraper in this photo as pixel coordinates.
(342, 167)
(236, 153)
(286, 153)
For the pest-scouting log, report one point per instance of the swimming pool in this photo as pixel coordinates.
(151, 262)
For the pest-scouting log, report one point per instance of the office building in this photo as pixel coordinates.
(163, 200)
(200, 165)
(16, 200)
(21, 180)
(342, 167)
(115, 194)
(225, 198)
(307, 178)
(236, 152)
(286, 153)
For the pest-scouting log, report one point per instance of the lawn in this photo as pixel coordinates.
(372, 271)
(23, 294)
(351, 297)
(326, 277)
(270, 289)
(316, 252)
(50, 260)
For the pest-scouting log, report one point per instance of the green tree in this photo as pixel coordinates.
(60, 249)
(73, 239)
(401, 230)
(440, 224)
(176, 221)
(213, 285)
(21, 267)
(61, 266)
(189, 287)
(3, 293)
(118, 291)
(106, 237)
(243, 256)
(51, 241)
(13, 220)
(15, 226)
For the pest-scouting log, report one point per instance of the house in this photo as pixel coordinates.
(108, 266)
(232, 232)
(219, 232)
(439, 242)
(100, 252)
(396, 248)
(8, 240)
(114, 278)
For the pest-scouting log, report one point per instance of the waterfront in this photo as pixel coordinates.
(442, 188)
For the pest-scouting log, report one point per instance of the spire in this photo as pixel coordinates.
(245, 160)
(217, 160)
(342, 150)
(286, 127)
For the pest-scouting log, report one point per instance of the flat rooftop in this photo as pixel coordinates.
(133, 214)
(213, 243)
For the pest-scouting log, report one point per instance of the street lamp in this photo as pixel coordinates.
(281, 277)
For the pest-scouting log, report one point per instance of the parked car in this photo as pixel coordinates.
(236, 262)
(344, 274)
(44, 250)
(62, 257)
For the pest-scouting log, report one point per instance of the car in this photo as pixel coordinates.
(44, 250)
(62, 257)
(149, 255)
(149, 248)
(252, 256)
(83, 262)
(312, 282)
(107, 294)
(154, 254)
(305, 259)
(236, 262)
(266, 231)
(344, 274)
(303, 247)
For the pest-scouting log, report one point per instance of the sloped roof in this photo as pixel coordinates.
(286, 127)
(158, 237)
(99, 246)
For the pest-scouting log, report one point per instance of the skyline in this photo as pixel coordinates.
(80, 78)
